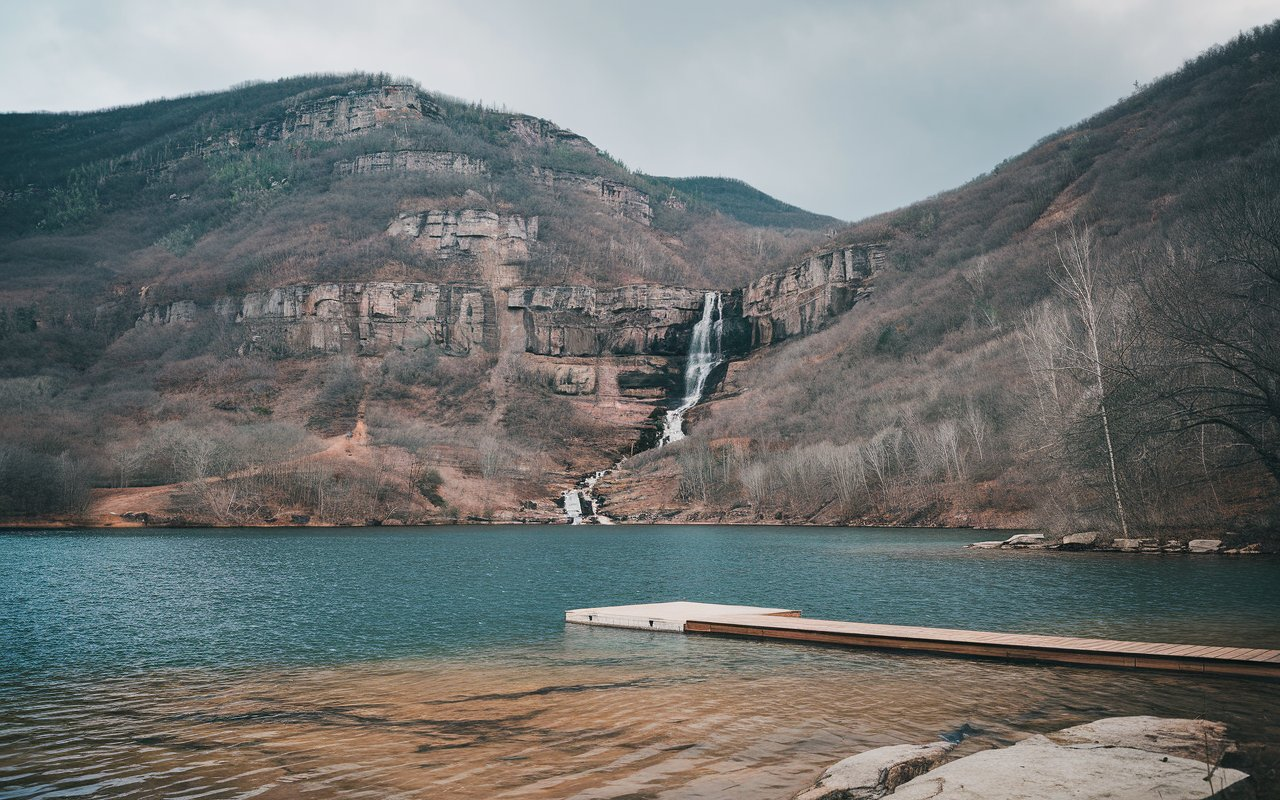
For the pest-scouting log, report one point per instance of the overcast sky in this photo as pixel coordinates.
(845, 108)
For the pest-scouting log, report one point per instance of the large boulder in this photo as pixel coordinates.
(1204, 545)
(1196, 739)
(1079, 541)
(1126, 757)
(876, 773)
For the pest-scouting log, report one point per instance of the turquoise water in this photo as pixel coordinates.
(122, 601)
(230, 665)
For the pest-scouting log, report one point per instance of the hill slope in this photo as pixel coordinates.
(339, 296)
(342, 299)
(961, 395)
(745, 203)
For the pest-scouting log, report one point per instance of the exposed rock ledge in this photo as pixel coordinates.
(560, 321)
(1118, 757)
(800, 300)
(357, 112)
(626, 201)
(451, 232)
(429, 161)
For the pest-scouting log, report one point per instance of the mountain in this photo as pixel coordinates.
(338, 297)
(743, 202)
(345, 299)
(959, 394)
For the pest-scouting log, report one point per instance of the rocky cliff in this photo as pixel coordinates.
(359, 318)
(623, 200)
(800, 300)
(456, 232)
(357, 112)
(535, 132)
(428, 161)
(558, 321)
(628, 320)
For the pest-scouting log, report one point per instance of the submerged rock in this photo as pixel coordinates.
(875, 773)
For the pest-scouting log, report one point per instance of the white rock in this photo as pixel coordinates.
(1024, 539)
(1127, 757)
(1204, 545)
(1187, 738)
(875, 773)
(986, 545)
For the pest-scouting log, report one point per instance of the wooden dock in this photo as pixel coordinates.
(787, 624)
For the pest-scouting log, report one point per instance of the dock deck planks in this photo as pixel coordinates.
(788, 625)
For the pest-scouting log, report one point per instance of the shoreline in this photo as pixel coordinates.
(1230, 543)
(1025, 539)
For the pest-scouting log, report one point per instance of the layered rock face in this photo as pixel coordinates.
(428, 161)
(627, 320)
(351, 114)
(800, 300)
(177, 312)
(358, 318)
(633, 323)
(455, 232)
(625, 201)
(534, 132)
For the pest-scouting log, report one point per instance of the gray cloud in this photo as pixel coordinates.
(843, 108)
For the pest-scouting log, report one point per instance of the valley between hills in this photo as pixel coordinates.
(348, 300)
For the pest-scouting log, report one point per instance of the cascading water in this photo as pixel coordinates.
(580, 504)
(573, 506)
(704, 356)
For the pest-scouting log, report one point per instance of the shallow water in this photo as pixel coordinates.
(418, 663)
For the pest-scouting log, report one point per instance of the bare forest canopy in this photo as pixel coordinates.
(1083, 338)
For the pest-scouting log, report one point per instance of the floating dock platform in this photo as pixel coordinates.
(788, 625)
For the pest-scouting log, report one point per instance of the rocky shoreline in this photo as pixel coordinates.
(1098, 542)
(1174, 759)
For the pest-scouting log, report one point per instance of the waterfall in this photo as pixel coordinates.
(704, 356)
(580, 503)
(573, 506)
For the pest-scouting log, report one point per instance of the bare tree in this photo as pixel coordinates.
(1216, 311)
(975, 423)
(755, 479)
(1078, 282)
(1043, 341)
(127, 461)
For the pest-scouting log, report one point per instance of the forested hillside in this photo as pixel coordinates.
(346, 299)
(293, 297)
(1084, 338)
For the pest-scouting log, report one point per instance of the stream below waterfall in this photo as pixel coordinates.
(705, 354)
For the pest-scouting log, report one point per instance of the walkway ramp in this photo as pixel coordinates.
(787, 624)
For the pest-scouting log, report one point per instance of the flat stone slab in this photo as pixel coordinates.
(1037, 768)
(666, 616)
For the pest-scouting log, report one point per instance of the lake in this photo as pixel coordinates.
(415, 662)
